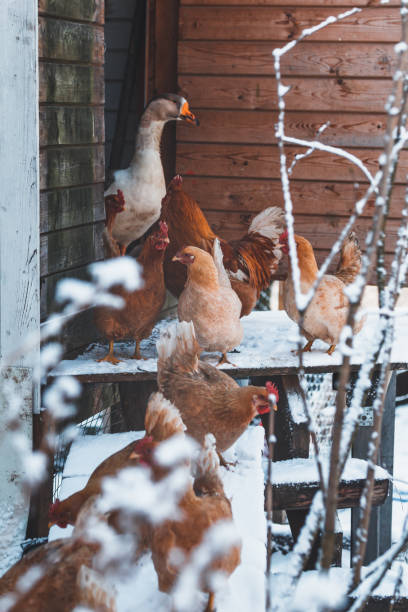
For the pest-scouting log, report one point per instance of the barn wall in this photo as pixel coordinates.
(71, 52)
(342, 75)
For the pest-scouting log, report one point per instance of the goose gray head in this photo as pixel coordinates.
(169, 107)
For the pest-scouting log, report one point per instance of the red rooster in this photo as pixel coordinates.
(250, 261)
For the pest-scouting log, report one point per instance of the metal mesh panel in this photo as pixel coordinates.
(105, 421)
(321, 398)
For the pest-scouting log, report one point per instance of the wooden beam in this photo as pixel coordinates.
(19, 244)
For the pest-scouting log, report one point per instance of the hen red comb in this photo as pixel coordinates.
(284, 236)
(272, 390)
(53, 509)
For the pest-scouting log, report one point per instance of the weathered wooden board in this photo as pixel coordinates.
(71, 248)
(345, 129)
(307, 59)
(71, 84)
(70, 41)
(49, 283)
(82, 10)
(65, 208)
(334, 3)
(319, 198)
(322, 231)
(72, 166)
(312, 94)
(261, 161)
(71, 125)
(290, 497)
(285, 24)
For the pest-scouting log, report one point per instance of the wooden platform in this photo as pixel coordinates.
(295, 483)
(267, 349)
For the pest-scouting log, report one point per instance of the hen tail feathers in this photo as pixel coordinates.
(350, 260)
(178, 348)
(269, 223)
(207, 476)
(162, 419)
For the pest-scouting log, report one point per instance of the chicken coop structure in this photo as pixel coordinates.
(77, 75)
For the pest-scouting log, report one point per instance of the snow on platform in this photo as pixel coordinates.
(298, 471)
(269, 341)
(244, 485)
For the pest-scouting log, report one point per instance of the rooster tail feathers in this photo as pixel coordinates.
(162, 418)
(269, 223)
(218, 257)
(350, 260)
(178, 347)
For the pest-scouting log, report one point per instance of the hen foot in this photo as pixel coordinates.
(226, 464)
(306, 349)
(110, 357)
(224, 359)
(137, 354)
(210, 603)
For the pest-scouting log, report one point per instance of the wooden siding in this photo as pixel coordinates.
(71, 74)
(342, 74)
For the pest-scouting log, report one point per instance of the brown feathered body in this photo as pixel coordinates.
(203, 505)
(141, 307)
(209, 301)
(250, 261)
(326, 315)
(60, 575)
(209, 400)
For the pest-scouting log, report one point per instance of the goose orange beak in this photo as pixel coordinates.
(187, 115)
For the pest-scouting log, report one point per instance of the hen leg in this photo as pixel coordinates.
(137, 354)
(110, 356)
(210, 604)
(122, 248)
(224, 359)
(224, 463)
(306, 349)
(331, 349)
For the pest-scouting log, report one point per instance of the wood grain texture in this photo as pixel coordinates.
(321, 197)
(71, 84)
(291, 497)
(71, 248)
(71, 166)
(313, 94)
(70, 125)
(70, 41)
(64, 208)
(285, 24)
(307, 59)
(236, 126)
(82, 10)
(258, 161)
(334, 3)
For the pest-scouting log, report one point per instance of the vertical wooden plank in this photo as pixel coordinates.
(165, 72)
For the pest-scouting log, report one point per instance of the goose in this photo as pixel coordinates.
(143, 183)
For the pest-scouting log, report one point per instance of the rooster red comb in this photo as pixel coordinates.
(284, 236)
(121, 198)
(272, 390)
(163, 228)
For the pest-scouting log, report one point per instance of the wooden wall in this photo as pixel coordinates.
(71, 52)
(342, 75)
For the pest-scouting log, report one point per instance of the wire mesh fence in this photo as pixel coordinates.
(108, 420)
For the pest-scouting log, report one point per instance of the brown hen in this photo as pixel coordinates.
(136, 319)
(327, 312)
(209, 400)
(250, 261)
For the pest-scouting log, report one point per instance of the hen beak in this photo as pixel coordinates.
(176, 258)
(50, 525)
(134, 455)
(188, 116)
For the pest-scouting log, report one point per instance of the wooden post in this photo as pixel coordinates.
(379, 532)
(19, 243)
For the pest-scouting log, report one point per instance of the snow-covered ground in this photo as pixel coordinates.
(244, 485)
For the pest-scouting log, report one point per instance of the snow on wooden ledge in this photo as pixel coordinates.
(270, 339)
